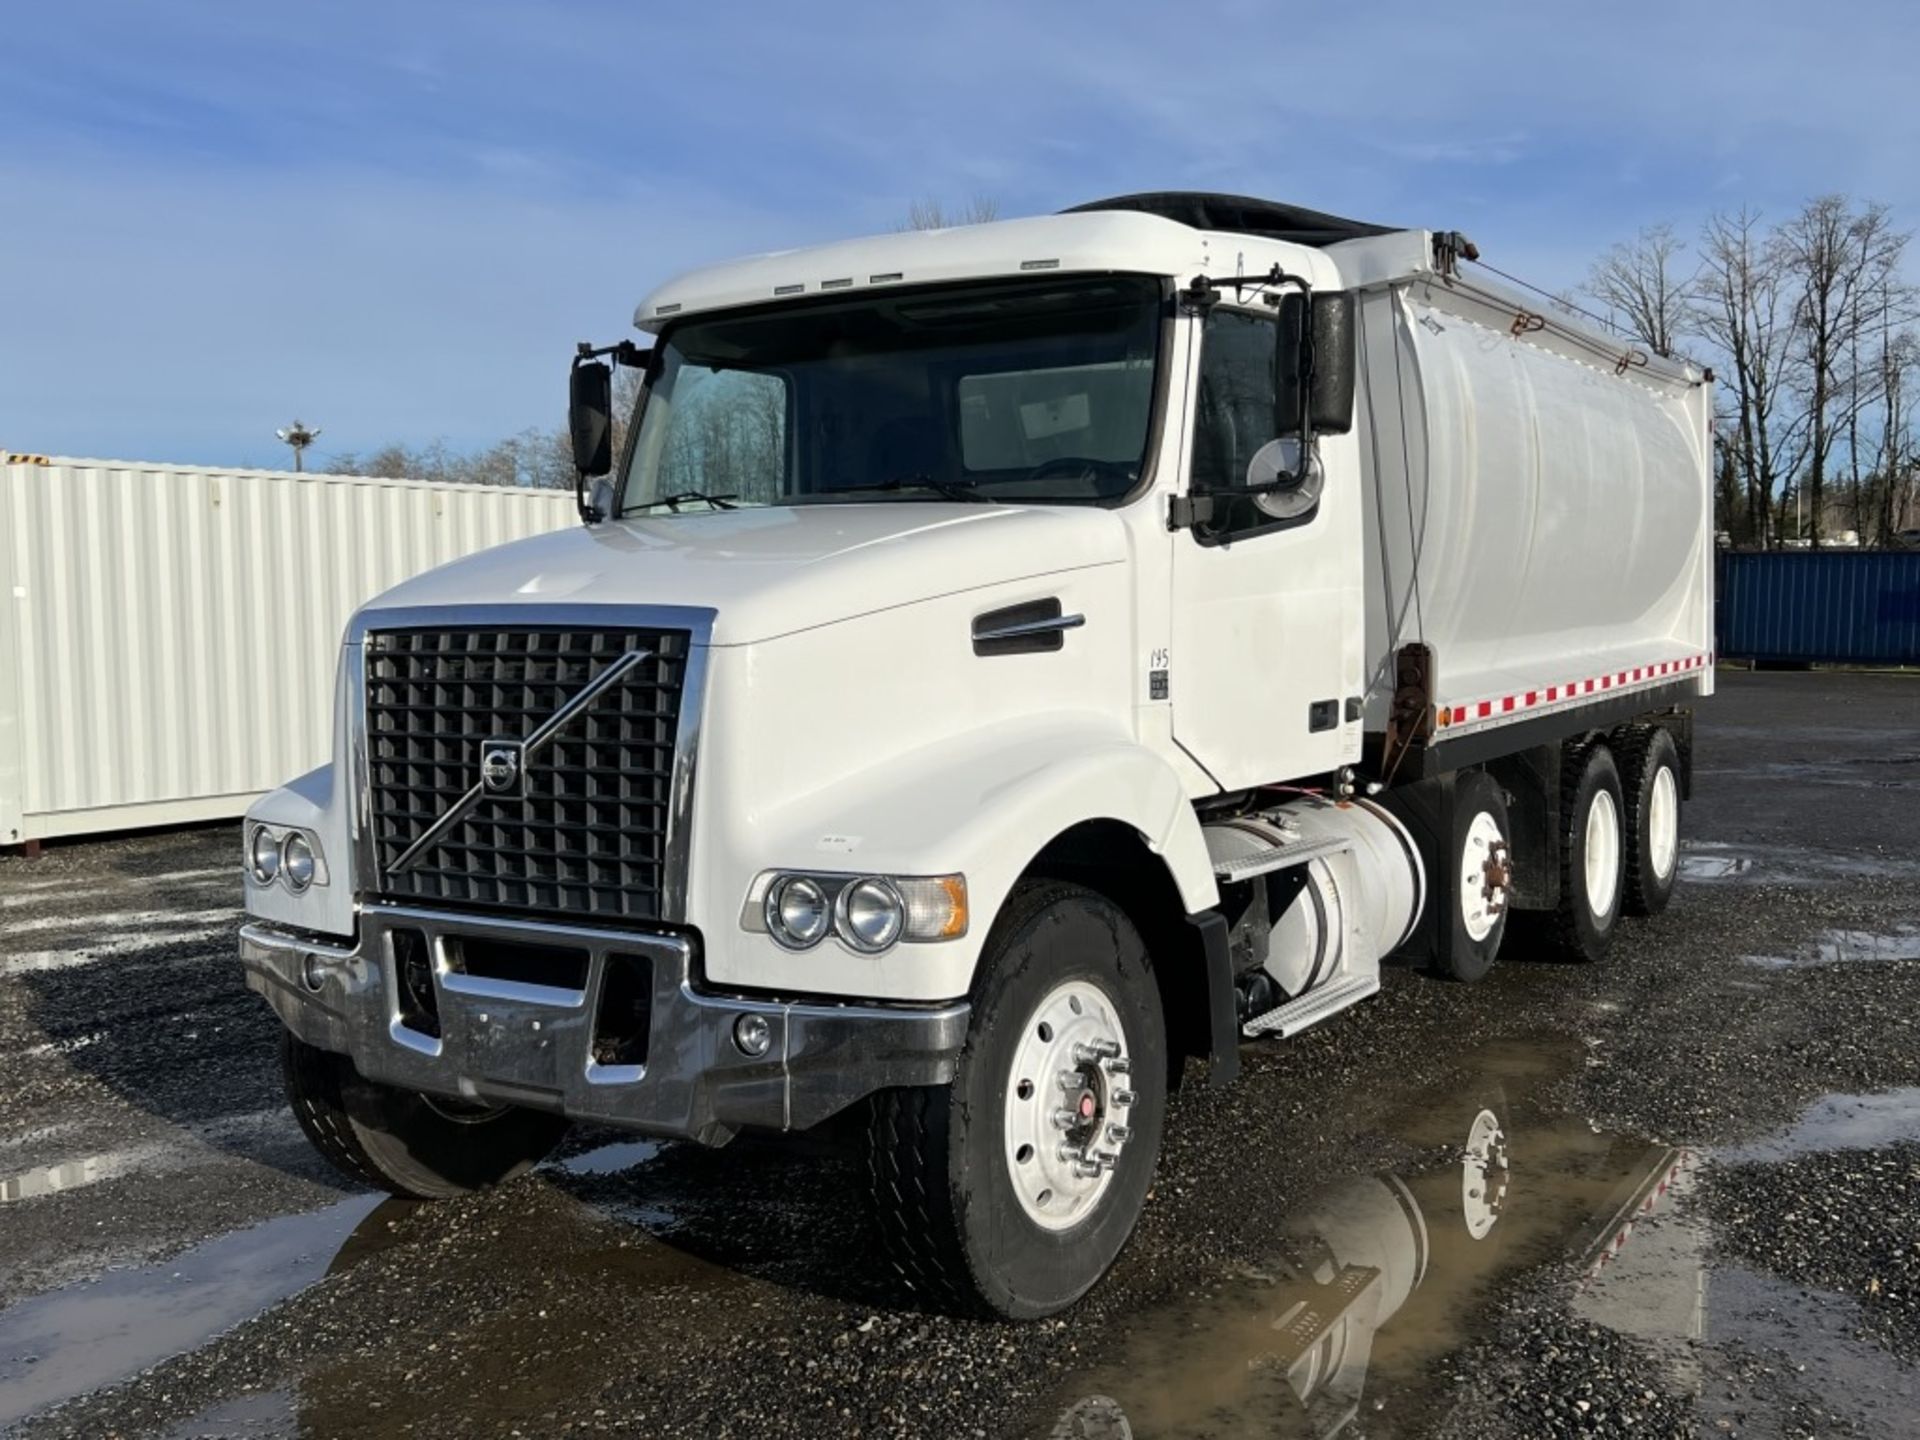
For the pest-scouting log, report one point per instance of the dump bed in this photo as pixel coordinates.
(1539, 506)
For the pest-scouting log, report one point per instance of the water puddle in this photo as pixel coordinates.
(260, 1415)
(1375, 1277)
(73, 1340)
(1835, 947)
(1839, 1122)
(1714, 861)
(72, 1174)
(612, 1158)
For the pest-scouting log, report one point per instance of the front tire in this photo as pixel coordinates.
(1011, 1191)
(1592, 854)
(406, 1143)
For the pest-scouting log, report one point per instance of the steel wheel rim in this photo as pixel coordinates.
(1480, 905)
(1603, 852)
(1663, 822)
(1068, 1101)
(1483, 1175)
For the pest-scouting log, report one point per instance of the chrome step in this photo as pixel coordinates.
(1313, 1007)
(1263, 862)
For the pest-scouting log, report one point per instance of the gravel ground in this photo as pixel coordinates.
(176, 1263)
(1846, 1220)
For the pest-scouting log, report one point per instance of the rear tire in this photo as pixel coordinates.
(410, 1144)
(1477, 883)
(979, 1209)
(1592, 854)
(1650, 783)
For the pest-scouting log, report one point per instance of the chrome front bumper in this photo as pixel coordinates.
(508, 1042)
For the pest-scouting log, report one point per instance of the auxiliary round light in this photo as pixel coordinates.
(296, 861)
(263, 855)
(752, 1036)
(872, 914)
(798, 915)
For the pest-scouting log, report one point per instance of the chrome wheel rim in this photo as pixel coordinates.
(1603, 853)
(1483, 877)
(1068, 1099)
(1663, 822)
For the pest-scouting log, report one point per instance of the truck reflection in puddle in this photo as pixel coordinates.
(1374, 1278)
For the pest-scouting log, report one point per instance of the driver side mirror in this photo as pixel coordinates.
(1328, 391)
(590, 417)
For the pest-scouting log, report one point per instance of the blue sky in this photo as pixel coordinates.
(393, 220)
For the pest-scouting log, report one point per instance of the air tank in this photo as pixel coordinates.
(1340, 912)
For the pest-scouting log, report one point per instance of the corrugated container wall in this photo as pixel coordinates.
(170, 636)
(1856, 607)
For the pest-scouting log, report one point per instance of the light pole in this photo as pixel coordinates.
(298, 437)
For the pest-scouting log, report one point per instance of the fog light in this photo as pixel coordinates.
(313, 970)
(753, 1035)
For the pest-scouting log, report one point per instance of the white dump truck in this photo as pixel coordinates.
(999, 666)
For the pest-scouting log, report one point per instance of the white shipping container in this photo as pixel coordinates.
(169, 637)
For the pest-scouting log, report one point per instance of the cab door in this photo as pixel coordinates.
(1267, 615)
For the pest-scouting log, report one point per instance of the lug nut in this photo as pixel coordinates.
(1124, 1098)
(1064, 1119)
(1091, 1052)
(1120, 1065)
(1118, 1134)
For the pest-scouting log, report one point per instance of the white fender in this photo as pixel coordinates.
(984, 807)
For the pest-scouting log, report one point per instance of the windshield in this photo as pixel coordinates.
(1036, 391)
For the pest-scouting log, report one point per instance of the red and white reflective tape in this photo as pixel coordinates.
(1638, 677)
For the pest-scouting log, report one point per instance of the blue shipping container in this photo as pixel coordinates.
(1836, 607)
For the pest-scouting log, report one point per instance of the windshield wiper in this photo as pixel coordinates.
(681, 497)
(951, 489)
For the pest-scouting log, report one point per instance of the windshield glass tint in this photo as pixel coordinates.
(1035, 391)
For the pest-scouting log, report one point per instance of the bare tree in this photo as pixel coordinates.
(1836, 255)
(1645, 287)
(929, 214)
(1894, 464)
(1740, 307)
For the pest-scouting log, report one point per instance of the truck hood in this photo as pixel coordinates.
(774, 570)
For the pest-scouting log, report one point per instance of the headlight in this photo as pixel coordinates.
(798, 912)
(870, 915)
(263, 854)
(296, 857)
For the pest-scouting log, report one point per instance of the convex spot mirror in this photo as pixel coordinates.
(1275, 464)
(590, 417)
(1330, 398)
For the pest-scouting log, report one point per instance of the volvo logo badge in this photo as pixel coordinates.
(499, 766)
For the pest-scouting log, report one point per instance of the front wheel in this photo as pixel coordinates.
(418, 1146)
(1012, 1190)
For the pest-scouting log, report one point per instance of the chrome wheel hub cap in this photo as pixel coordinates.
(1069, 1096)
